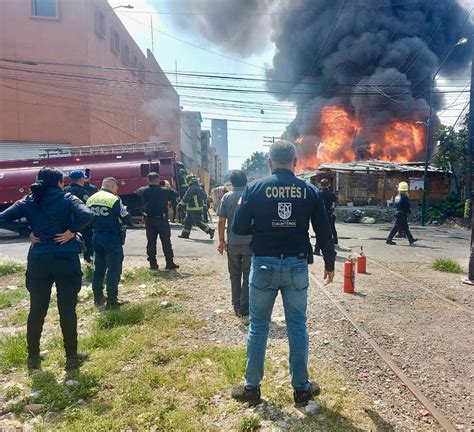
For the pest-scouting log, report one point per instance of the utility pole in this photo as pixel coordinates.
(152, 35)
(469, 168)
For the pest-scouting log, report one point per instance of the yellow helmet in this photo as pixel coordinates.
(403, 187)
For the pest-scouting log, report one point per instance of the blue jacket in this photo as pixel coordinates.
(402, 203)
(277, 210)
(54, 214)
(109, 213)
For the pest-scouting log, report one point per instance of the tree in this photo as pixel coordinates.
(256, 166)
(451, 154)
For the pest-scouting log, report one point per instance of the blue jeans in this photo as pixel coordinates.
(269, 275)
(108, 253)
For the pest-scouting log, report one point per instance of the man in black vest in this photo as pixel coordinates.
(155, 200)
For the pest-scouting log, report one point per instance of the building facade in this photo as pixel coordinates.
(191, 139)
(215, 166)
(76, 77)
(220, 142)
(205, 144)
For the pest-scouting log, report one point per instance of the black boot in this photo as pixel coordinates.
(76, 360)
(252, 396)
(184, 235)
(171, 265)
(99, 301)
(211, 233)
(153, 264)
(302, 397)
(114, 303)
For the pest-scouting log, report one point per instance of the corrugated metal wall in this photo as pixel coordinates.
(13, 150)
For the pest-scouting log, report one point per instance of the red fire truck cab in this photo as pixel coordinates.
(129, 164)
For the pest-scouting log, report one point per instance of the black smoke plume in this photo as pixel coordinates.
(373, 58)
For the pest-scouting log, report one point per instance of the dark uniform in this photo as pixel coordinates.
(155, 209)
(402, 205)
(110, 217)
(83, 194)
(329, 199)
(276, 210)
(50, 262)
(194, 201)
(90, 189)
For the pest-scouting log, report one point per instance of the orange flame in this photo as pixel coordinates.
(338, 129)
(402, 142)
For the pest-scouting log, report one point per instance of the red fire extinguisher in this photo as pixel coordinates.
(361, 262)
(349, 275)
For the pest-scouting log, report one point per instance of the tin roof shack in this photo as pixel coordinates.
(370, 183)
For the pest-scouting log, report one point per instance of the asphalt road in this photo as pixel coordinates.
(433, 242)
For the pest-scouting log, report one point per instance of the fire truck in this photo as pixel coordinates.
(128, 163)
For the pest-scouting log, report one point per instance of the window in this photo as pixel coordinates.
(44, 8)
(125, 54)
(115, 42)
(134, 65)
(141, 72)
(100, 23)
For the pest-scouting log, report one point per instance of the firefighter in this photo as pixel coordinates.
(110, 218)
(402, 205)
(78, 189)
(155, 200)
(194, 202)
(183, 184)
(330, 199)
(277, 210)
(53, 217)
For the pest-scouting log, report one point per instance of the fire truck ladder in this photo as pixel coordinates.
(144, 147)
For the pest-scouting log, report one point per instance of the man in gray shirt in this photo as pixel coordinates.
(238, 247)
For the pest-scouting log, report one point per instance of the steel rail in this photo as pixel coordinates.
(430, 407)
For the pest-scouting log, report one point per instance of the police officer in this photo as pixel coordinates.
(155, 200)
(54, 218)
(78, 188)
(194, 202)
(277, 210)
(89, 187)
(329, 199)
(402, 205)
(110, 218)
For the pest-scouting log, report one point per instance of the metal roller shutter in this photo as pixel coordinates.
(14, 150)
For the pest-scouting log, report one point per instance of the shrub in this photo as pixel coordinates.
(447, 265)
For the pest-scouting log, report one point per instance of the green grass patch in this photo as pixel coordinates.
(447, 265)
(17, 318)
(87, 273)
(10, 267)
(124, 316)
(10, 297)
(13, 352)
(249, 423)
(58, 396)
(102, 338)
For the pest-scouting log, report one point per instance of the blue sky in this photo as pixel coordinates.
(170, 52)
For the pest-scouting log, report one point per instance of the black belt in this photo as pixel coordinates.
(298, 256)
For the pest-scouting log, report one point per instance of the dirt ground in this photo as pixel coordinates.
(421, 317)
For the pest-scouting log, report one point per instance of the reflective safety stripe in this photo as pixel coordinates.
(102, 198)
(193, 208)
(196, 202)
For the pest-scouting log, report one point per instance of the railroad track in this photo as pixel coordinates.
(387, 359)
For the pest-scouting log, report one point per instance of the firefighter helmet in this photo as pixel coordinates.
(403, 187)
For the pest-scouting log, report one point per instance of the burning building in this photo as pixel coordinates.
(360, 75)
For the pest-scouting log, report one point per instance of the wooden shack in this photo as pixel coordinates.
(376, 182)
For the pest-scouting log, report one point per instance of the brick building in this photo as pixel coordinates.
(85, 81)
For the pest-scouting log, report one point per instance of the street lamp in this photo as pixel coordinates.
(462, 41)
(123, 6)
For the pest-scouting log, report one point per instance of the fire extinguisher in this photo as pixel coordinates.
(349, 275)
(361, 262)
